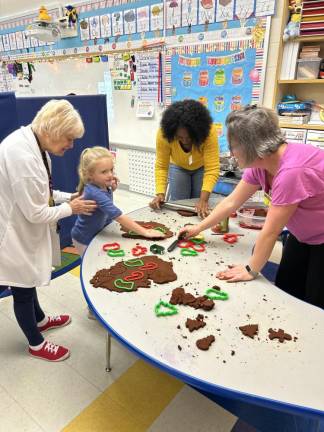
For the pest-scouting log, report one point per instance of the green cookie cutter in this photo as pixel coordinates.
(124, 285)
(161, 229)
(171, 310)
(213, 294)
(134, 263)
(197, 241)
(116, 253)
(188, 252)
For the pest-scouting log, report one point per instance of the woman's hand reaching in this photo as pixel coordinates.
(81, 206)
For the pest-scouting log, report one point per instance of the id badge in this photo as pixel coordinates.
(190, 160)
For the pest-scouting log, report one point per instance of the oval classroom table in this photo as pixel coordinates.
(271, 385)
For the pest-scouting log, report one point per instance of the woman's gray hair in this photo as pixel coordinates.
(255, 131)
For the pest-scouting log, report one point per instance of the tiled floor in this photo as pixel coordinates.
(37, 396)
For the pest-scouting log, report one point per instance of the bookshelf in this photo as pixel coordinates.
(304, 89)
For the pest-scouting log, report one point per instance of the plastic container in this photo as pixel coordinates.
(308, 68)
(252, 215)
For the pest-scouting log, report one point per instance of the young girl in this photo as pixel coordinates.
(97, 183)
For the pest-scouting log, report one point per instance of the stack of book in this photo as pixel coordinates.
(289, 60)
(310, 52)
(312, 20)
(294, 112)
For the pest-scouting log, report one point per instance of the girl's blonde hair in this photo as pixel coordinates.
(58, 118)
(88, 159)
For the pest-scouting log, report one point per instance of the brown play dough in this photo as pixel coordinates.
(250, 330)
(179, 296)
(280, 334)
(151, 225)
(164, 273)
(204, 344)
(187, 213)
(195, 324)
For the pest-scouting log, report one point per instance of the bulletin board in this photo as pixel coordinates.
(224, 76)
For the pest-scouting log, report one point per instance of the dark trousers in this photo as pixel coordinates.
(28, 313)
(301, 271)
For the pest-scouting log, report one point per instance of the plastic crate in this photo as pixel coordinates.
(308, 68)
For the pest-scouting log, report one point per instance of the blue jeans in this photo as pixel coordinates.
(183, 183)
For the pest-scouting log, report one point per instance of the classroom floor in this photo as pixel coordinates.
(77, 395)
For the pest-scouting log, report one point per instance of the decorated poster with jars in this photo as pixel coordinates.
(224, 76)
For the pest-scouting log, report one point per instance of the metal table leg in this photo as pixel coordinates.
(108, 352)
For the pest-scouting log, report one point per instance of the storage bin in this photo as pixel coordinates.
(252, 215)
(308, 68)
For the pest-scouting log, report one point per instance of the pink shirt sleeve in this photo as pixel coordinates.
(250, 176)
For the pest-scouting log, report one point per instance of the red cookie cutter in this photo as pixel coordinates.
(135, 275)
(185, 244)
(110, 246)
(139, 250)
(230, 238)
(149, 266)
(198, 247)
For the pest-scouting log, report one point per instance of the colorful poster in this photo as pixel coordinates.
(12, 40)
(173, 13)
(189, 13)
(117, 23)
(105, 25)
(265, 7)
(218, 75)
(19, 40)
(224, 10)
(84, 29)
(157, 17)
(26, 40)
(206, 11)
(6, 42)
(94, 27)
(143, 19)
(130, 21)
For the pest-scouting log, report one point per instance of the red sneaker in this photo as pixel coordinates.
(55, 322)
(50, 352)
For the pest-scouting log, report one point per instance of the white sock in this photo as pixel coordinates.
(43, 322)
(37, 347)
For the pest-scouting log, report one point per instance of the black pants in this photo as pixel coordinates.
(28, 313)
(301, 271)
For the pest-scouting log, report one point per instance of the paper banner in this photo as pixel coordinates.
(226, 60)
(84, 29)
(265, 7)
(244, 9)
(189, 61)
(12, 40)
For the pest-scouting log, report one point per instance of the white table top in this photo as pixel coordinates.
(287, 376)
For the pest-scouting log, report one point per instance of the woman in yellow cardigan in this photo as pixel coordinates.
(186, 154)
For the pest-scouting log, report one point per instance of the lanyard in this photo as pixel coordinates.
(50, 181)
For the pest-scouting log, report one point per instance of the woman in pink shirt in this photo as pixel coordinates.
(293, 175)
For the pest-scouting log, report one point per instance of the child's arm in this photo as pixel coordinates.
(131, 225)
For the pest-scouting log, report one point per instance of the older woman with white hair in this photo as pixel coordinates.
(293, 176)
(29, 216)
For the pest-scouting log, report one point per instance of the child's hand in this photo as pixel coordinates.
(114, 183)
(152, 233)
(189, 231)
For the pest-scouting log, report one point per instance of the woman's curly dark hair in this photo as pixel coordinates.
(190, 115)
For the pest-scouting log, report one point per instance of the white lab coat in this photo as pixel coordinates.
(25, 217)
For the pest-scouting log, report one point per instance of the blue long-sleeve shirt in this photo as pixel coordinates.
(86, 227)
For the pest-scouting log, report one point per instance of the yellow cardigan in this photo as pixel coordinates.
(207, 156)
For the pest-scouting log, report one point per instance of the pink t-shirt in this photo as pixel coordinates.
(300, 179)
